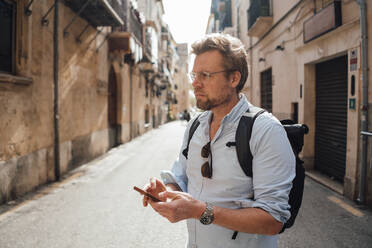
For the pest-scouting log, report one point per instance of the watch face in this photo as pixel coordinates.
(207, 217)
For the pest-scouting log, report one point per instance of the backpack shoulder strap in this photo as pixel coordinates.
(243, 136)
(192, 130)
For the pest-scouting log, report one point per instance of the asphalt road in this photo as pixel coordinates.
(96, 206)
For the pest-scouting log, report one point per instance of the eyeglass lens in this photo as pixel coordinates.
(198, 76)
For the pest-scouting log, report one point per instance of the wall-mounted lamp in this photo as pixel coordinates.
(261, 60)
(279, 48)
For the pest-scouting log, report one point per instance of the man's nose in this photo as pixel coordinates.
(196, 83)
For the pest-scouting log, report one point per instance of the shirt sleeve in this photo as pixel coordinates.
(273, 167)
(178, 173)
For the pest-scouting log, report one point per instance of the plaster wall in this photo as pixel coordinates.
(182, 91)
(25, 108)
(27, 128)
(293, 72)
(125, 100)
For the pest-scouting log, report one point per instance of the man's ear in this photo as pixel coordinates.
(235, 78)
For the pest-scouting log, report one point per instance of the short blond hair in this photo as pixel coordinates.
(232, 50)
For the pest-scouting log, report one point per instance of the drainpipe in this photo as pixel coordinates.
(363, 170)
(150, 105)
(55, 100)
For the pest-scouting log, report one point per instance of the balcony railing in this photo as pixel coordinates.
(149, 61)
(133, 25)
(148, 45)
(120, 7)
(98, 12)
(128, 38)
(257, 9)
(260, 18)
(223, 13)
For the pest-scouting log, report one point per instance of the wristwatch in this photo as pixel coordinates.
(207, 217)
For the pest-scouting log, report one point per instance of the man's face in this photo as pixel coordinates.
(216, 90)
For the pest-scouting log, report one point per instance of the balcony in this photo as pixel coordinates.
(128, 38)
(260, 18)
(149, 62)
(148, 46)
(151, 44)
(222, 12)
(97, 12)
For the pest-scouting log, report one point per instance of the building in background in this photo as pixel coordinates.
(221, 16)
(182, 83)
(305, 63)
(113, 80)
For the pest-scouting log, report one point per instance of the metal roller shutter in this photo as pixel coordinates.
(331, 117)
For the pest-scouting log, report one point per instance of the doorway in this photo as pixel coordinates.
(331, 117)
(112, 98)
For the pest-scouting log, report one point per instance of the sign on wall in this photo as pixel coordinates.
(353, 60)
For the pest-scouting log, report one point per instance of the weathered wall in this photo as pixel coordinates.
(25, 108)
(27, 129)
(182, 91)
(25, 147)
(125, 99)
(294, 67)
(27, 123)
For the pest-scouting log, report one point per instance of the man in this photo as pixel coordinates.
(209, 189)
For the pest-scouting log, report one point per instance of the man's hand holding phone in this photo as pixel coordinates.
(142, 192)
(173, 205)
(155, 187)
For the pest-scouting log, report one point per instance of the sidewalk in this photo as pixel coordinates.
(327, 219)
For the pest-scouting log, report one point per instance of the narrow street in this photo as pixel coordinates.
(95, 206)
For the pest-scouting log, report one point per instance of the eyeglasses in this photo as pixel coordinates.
(203, 75)
(206, 169)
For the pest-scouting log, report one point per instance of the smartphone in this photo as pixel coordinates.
(146, 194)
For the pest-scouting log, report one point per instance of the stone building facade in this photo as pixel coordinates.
(182, 81)
(76, 79)
(305, 62)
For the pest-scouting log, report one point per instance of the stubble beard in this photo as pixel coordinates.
(211, 103)
(204, 105)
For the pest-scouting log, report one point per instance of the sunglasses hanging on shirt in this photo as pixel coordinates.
(206, 169)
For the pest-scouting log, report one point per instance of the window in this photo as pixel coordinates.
(7, 26)
(147, 88)
(267, 90)
(147, 116)
(295, 112)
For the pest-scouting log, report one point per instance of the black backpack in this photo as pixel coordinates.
(295, 133)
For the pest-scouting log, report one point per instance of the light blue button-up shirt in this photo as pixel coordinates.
(273, 168)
